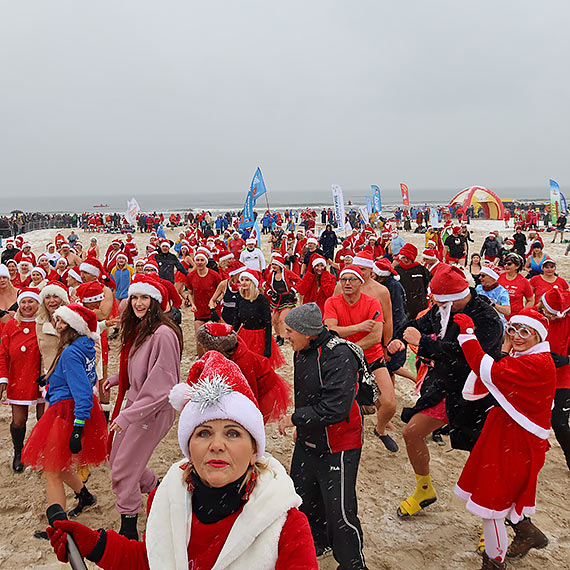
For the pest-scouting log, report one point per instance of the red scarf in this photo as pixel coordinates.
(408, 266)
(123, 384)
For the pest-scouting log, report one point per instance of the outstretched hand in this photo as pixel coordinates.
(465, 322)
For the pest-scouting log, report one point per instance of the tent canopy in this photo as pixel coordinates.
(480, 197)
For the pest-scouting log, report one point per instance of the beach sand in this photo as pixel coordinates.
(442, 537)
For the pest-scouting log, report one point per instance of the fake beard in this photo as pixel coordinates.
(444, 314)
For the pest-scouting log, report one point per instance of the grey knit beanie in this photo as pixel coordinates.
(306, 319)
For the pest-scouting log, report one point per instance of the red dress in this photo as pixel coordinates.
(20, 362)
(519, 289)
(540, 286)
(203, 288)
(499, 478)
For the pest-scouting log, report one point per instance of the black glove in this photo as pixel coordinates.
(75, 439)
(41, 380)
(214, 316)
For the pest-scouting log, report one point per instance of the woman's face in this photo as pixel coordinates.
(61, 265)
(549, 269)
(28, 307)
(524, 338)
(140, 305)
(245, 284)
(12, 269)
(221, 451)
(276, 267)
(4, 282)
(37, 277)
(60, 325)
(476, 259)
(51, 303)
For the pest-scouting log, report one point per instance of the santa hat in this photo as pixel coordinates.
(63, 260)
(40, 270)
(150, 285)
(549, 260)
(491, 270)
(449, 284)
(64, 244)
(151, 264)
(533, 319)
(165, 242)
(225, 255)
(429, 254)
(250, 241)
(216, 389)
(312, 240)
(122, 255)
(75, 274)
(409, 250)
(236, 267)
(28, 293)
(92, 266)
(364, 259)
(201, 254)
(138, 261)
(318, 259)
(80, 319)
(278, 260)
(557, 302)
(54, 288)
(4, 271)
(90, 292)
(456, 229)
(117, 241)
(383, 268)
(217, 336)
(253, 275)
(352, 270)
(174, 297)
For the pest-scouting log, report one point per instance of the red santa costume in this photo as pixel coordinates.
(281, 293)
(317, 289)
(20, 358)
(499, 478)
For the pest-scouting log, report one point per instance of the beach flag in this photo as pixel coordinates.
(405, 195)
(369, 205)
(563, 206)
(258, 187)
(247, 219)
(554, 201)
(364, 214)
(338, 202)
(133, 209)
(376, 200)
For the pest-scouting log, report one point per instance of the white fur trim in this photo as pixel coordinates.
(532, 323)
(319, 260)
(468, 391)
(250, 276)
(54, 290)
(201, 254)
(238, 271)
(75, 274)
(363, 262)
(352, 272)
(179, 396)
(461, 338)
(91, 269)
(29, 295)
(75, 321)
(485, 373)
(451, 296)
(94, 299)
(226, 257)
(490, 272)
(145, 289)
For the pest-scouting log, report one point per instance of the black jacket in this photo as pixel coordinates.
(415, 281)
(449, 373)
(327, 416)
(9, 254)
(167, 263)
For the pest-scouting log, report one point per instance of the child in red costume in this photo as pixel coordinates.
(499, 479)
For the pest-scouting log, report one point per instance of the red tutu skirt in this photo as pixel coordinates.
(179, 277)
(47, 448)
(437, 412)
(255, 341)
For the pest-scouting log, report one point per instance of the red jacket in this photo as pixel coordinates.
(314, 294)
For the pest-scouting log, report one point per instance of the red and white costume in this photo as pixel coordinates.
(499, 478)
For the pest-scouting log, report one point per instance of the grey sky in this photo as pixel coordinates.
(139, 96)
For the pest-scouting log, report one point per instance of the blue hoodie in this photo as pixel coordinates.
(74, 377)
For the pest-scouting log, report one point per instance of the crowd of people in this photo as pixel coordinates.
(484, 336)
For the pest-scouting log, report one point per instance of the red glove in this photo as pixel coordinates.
(84, 537)
(465, 322)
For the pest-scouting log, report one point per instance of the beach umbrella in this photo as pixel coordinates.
(16, 212)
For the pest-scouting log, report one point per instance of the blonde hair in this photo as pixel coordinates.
(252, 292)
(42, 316)
(18, 316)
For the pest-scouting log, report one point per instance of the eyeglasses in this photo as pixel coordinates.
(349, 279)
(523, 332)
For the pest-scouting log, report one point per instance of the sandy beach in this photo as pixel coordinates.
(442, 537)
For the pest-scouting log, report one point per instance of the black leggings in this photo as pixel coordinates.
(559, 420)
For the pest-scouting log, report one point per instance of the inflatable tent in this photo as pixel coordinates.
(479, 196)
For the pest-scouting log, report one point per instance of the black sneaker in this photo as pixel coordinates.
(437, 438)
(388, 442)
(85, 500)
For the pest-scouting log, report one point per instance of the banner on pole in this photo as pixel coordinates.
(257, 187)
(247, 217)
(563, 206)
(364, 214)
(405, 195)
(433, 217)
(554, 201)
(338, 203)
(376, 199)
(133, 209)
(369, 205)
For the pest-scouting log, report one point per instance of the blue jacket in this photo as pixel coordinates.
(74, 377)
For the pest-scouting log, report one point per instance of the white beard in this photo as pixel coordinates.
(444, 314)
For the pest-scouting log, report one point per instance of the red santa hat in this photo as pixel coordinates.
(429, 254)
(531, 318)
(151, 264)
(252, 275)
(235, 268)
(409, 250)
(318, 260)
(117, 241)
(225, 255)
(150, 285)
(122, 255)
(449, 284)
(201, 254)
(250, 241)
(383, 268)
(216, 389)
(491, 270)
(75, 274)
(64, 244)
(54, 288)
(456, 229)
(91, 292)
(363, 259)
(41, 271)
(278, 260)
(164, 242)
(92, 266)
(312, 240)
(29, 293)
(352, 270)
(80, 319)
(557, 302)
(217, 336)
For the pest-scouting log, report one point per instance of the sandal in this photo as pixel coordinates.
(410, 506)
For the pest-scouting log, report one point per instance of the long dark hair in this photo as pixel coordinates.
(138, 330)
(66, 337)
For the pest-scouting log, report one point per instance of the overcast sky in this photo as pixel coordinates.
(138, 96)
